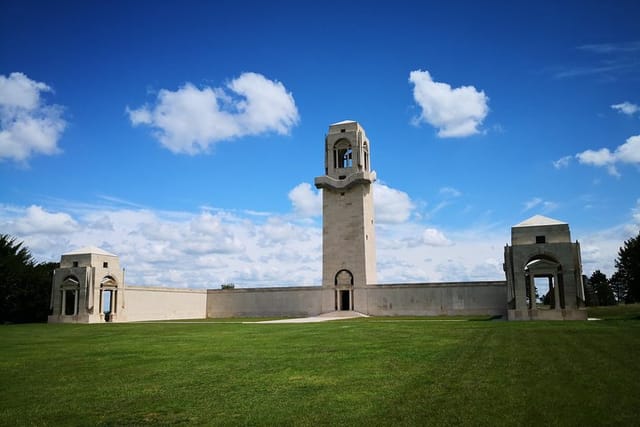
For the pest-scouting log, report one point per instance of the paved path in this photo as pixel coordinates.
(325, 317)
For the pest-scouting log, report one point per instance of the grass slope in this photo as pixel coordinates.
(350, 372)
(617, 312)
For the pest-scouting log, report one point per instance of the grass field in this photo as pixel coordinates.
(616, 312)
(350, 372)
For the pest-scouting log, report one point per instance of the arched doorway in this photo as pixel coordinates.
(70, 289)
(108, 298)
(543, 283)
(344, 290)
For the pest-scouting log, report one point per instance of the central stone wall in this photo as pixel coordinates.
(259, 302)
(148, 303)
(419, 299)
(437, 299)
(140, 303)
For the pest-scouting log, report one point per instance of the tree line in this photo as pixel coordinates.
(624, 284)
(25, 285)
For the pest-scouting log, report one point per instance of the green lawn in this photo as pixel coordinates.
(349, 372)
(617, 312)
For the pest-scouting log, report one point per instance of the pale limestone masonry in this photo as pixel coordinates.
(541, 247)
(348, 233)
(88, 283)
(89, 286)
(437, 299)
(157, 303)
(299, 301)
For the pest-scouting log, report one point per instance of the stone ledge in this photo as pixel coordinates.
(342, 184)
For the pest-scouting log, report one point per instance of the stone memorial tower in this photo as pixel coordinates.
(348, 232)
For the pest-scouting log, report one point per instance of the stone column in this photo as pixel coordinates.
(556, 291)
(532, 291)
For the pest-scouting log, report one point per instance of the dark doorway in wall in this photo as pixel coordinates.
(345, 303)
(107, 302)
(70, 302)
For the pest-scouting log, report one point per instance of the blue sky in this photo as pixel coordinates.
(185, 136)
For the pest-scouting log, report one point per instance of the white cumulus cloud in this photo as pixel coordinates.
(277, 231)
(205, 249)
(177, 248)
(562, 162)
(635, 213)
(391, 205)
(189, 120)
(305, 200)
(36, 220)
(28, 125)
(626, 108)
(207, 234)
(629, 153)
(601, 157)
(455, 112)
(434, 237)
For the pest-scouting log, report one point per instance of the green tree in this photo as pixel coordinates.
(546, 298)
(590, 298)
(618, 286)
(601, 287)
(15, 262)
(25, 287)
(628, 265)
